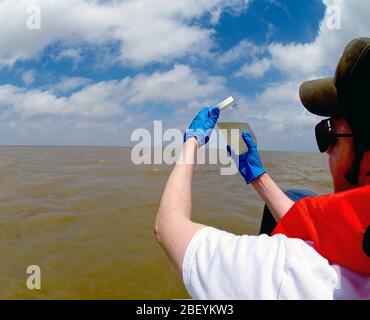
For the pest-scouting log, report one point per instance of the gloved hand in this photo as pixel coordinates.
(202, 125)
(249, 163)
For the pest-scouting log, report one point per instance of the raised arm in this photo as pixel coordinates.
(251, 168)
(277, 201)
(173, 226)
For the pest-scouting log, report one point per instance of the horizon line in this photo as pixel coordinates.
(112, 146)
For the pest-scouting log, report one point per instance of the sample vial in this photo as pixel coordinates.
(232, 125)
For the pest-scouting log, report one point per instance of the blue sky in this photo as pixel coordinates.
(96, 70)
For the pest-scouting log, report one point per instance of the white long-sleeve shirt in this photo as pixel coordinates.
(220, 265)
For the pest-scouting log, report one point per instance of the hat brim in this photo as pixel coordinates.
(320, 97)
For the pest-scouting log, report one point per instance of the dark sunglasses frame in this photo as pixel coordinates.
(325, 136)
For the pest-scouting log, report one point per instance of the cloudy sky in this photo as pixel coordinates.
(96, 70)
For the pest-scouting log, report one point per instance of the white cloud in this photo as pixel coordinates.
(300, 60)
(73, 54)
(277, 111)
(29, 103)
(243, 50)
(71, 83)
(106, 112)
(255, 69)
(146, 30)
(317, 58)
(28, 77)
(297, 59)
(106, 99)
(175, 86)
(280, 93)
(278, 118)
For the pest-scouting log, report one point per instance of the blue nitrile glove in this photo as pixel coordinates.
(203, 124)
(249, 163)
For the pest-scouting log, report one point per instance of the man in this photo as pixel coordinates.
(320, 246)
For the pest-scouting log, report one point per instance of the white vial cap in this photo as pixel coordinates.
(226, 103)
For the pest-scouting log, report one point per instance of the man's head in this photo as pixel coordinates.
(346, 100)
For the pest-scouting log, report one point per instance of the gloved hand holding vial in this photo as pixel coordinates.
(241, 141)
(232, 125)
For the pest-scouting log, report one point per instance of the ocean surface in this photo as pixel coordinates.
(85, 216)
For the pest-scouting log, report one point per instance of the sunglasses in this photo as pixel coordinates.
(325, 135)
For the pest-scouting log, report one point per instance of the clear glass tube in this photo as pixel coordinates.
(231, 124)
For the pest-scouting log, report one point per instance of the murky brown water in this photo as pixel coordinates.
(86, 215)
